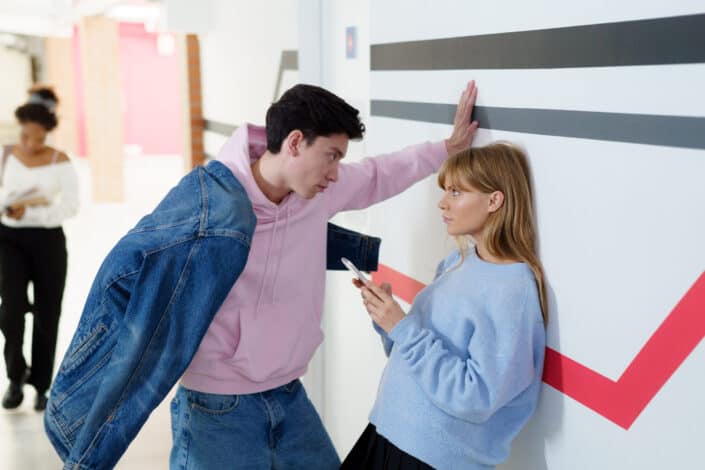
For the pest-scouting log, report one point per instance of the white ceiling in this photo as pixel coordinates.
(56, 17)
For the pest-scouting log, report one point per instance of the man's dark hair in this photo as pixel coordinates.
(41, 110)
(315, 112)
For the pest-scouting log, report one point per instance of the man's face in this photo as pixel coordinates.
(315, 166)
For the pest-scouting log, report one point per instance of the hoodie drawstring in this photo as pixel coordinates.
(266, 262)
(279, 260)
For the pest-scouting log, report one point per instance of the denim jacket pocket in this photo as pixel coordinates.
(79, 378)
(212, 403)
(84, 347)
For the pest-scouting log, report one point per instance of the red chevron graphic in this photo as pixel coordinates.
(622, 401)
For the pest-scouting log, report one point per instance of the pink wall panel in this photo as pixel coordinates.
(80, 101)
(151, 96)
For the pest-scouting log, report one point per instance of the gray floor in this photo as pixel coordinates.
(90, 235)
(24, 446)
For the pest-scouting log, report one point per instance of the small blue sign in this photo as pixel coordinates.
(351, 42)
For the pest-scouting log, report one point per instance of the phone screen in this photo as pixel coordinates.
(348, 264)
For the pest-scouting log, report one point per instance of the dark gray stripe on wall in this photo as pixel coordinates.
(219, 127)
(675, 40)
(289, 60)
(673, 131)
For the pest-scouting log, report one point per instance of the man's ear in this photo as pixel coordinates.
(293, 142)
(496, 200)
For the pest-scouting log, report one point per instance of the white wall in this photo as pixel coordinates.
(16, 80)
(353, 360)
(621, 224)
(240, 59)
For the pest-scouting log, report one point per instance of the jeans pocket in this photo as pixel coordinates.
(212, 403)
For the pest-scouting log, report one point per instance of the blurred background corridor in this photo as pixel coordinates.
(123, 113)
(606, 98)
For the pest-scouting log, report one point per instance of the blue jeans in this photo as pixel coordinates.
(275, 429)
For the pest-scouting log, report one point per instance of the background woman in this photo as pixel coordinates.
(39, 191)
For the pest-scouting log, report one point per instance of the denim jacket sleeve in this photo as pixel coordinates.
(361, 249)
(150, 305)
(156, 341)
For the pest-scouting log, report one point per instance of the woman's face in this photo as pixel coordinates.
(465, 211)
(32, 138)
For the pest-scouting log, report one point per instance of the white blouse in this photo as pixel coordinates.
(57, 181)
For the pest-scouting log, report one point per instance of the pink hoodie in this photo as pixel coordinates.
(269, 326)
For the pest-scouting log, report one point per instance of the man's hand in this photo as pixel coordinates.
(463, 129)
(16, 212)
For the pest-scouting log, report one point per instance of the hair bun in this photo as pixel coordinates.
(44, 96)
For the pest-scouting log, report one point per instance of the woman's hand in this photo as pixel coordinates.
(16, 212)
(380, 304)
(463, 129)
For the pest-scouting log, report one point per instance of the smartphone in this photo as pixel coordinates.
(348, 264)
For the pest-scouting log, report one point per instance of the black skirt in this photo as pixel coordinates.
(372, 452)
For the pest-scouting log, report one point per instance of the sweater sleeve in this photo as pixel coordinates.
(387, 342)
(59, 210)
(375, 179)
(497, 367)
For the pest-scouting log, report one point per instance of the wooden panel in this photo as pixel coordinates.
(60, 75)
(101, 72)
(194, 154)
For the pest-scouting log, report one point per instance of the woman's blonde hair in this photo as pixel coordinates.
(510, 231)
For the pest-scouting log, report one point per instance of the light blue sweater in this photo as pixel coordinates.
(465, 365)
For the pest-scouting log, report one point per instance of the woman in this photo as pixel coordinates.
(39, 191)
(465, 364)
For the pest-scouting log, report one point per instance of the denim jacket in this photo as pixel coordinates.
(361, 249)
(148, 308)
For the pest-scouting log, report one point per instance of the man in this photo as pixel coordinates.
(240, 403)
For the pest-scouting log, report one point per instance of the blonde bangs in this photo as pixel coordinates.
(456, 171)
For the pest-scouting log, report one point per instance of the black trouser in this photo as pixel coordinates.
(37, 255)
(372, 451)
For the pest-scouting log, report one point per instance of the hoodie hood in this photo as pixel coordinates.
(246, 145)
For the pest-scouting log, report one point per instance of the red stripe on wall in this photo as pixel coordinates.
(622, 401)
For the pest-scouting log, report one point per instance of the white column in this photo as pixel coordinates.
(310, 71)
